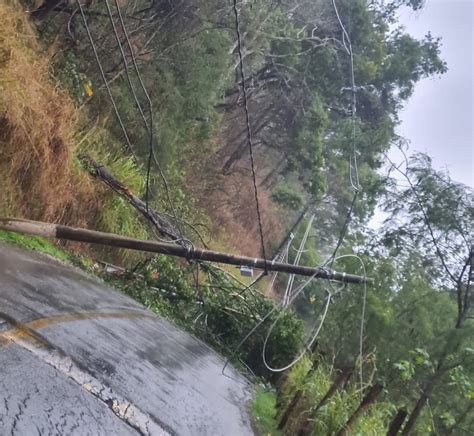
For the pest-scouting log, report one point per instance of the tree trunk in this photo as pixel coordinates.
(289, 410)
(460, 419)
(397, 422)
(305, 428)
(369, 399)
(266, 182)
(47, 7)
(240, 149)
(420, 404)
(159, 224)
(292, 230)
(299, 393)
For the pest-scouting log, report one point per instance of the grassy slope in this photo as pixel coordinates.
(263, 410)
(35, 243)
(37, 122)
(42, 132)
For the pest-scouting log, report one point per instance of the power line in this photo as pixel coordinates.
(353, 166)
(137, 102)
(348, 47)
(150, 112)
(127, 74)
(281, 305)
(312, 336)
(354, 180)
(247, 121)
(149, 126)
(104, 79)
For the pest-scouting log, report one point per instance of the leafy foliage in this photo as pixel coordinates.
(263, 409)
(334, 413)
(215, 311)
(285, 196)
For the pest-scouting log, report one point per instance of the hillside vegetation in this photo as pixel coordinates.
(325, 82)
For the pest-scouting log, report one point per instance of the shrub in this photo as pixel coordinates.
(263, 410)
(214, 310)
(288, 198)
(335, 412)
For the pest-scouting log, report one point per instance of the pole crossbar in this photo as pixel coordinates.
(57, 231)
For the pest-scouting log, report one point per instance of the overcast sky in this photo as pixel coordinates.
(438, 119)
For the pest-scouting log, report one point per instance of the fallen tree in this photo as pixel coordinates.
(159, 224)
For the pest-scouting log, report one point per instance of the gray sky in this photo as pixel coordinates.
(438, 119)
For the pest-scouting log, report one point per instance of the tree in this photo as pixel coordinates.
(436, 215)
(418, 312)
(300, 91)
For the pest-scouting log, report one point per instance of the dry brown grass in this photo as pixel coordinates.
(37, 124)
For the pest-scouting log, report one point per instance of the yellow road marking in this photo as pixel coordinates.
(27, 330)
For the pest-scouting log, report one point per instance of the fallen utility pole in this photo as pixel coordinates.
(48, 230)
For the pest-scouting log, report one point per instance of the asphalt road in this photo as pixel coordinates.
(79, 358)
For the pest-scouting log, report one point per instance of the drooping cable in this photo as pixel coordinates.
(313, 335)
(249, 131)
(104, 79)
(353, 167)
(355, 183)
(281, 306)
(299, 253)
(150, 125)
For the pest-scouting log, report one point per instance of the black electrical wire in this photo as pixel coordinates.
(249, 131)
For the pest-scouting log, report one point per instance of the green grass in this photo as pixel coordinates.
(115, 214)
(263, 411)
(42, 245)
(34, 243)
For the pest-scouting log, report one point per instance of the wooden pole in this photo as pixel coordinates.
(190, 253)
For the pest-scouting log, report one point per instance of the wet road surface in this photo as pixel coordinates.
(78, 358)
